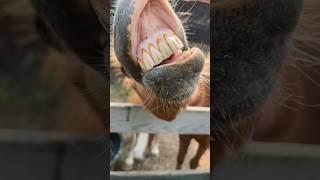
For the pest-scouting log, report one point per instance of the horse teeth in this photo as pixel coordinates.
(155, 54)
(172, 44)
(147, 60)
(164, 49)
(179, 42)
(141, 63)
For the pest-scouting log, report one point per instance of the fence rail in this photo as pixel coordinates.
(55, 156)
(161, 175)
(126, 117)
(34, 155)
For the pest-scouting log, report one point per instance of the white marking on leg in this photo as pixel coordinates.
(155, 147)
(140, 148)
(129, 160)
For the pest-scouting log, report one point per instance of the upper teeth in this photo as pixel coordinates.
(154, 54)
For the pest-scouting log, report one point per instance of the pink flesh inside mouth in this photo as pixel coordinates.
(154, 41)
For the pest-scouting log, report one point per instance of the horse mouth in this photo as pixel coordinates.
(157, 36)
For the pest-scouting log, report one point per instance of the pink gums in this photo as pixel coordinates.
(150, 19)
(153, 40)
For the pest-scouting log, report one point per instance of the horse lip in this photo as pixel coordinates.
(194, 52)
(167, 74)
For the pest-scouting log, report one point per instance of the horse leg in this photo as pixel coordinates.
(141, 146)
(203, 146)
(183, 148)
(155, 147)
(130, 159)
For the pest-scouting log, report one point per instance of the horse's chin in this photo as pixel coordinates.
(165, 110)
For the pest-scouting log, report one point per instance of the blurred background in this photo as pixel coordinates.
(49, 129)
(284, 132)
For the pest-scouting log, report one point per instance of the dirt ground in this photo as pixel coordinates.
(168, 145)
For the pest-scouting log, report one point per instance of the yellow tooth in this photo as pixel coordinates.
(142, 65)
(172, 44)
(165, 36)
(179, 42)
(147, 60)
(155, 54)
(187, 54)
(164, 49)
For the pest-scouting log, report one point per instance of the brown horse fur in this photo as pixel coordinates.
(84, 89)
(291, 113)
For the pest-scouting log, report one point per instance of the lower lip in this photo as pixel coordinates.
(172, 58)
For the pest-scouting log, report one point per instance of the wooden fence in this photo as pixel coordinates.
(272, 161)
(126, 117)
(26, 155)
(134, 118)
